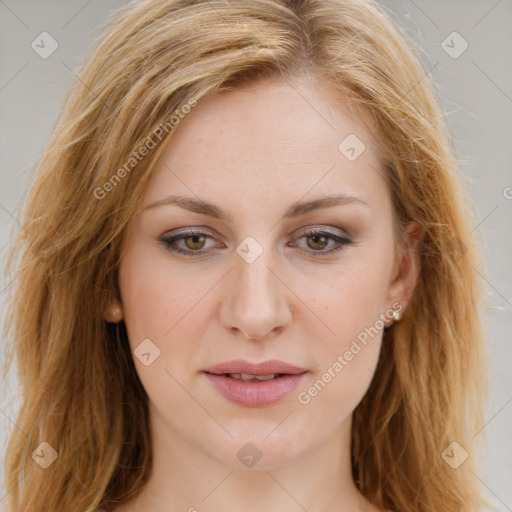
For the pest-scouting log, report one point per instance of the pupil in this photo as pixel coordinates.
(194, 241)
(316, 241)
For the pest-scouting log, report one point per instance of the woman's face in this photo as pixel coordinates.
(262, 279)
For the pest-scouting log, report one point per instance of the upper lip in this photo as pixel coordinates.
(265, 368)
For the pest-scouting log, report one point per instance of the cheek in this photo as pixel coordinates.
(165, 303)
(158, 307)
(148, 296)
(350, 306)
(347, 354)
(351, 298)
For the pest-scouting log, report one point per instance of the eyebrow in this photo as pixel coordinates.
(296, 209)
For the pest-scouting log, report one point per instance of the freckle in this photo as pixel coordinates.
(326, 307)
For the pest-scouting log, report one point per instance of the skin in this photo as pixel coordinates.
(253, 152)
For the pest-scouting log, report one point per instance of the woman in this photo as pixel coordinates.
(246, 277)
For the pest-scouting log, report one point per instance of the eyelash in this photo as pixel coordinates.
(170, 241)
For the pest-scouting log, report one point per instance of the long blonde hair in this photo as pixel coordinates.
(80, 391)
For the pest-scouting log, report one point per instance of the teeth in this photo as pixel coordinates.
(245, 376)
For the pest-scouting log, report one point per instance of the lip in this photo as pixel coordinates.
(250, 393)
(264, 368)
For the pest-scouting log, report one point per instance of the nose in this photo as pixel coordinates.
(257, 301)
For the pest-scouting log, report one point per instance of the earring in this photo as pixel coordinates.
(115, 314)
(396, 315)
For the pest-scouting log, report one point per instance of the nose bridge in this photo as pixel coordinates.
(255, 279)
(256, 303)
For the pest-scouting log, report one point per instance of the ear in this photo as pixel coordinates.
(114, 310)
(407, 266)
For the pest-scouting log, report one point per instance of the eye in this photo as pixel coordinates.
(193, 240)
(318, 239)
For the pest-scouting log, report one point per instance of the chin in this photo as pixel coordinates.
(254, 448)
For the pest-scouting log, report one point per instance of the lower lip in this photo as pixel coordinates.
(255, 393)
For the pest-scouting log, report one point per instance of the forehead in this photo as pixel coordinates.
(269, 139)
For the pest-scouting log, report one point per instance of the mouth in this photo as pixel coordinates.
(252, 378)
(246, 370)
(255, 385)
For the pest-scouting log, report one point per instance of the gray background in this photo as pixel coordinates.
(476, 91)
